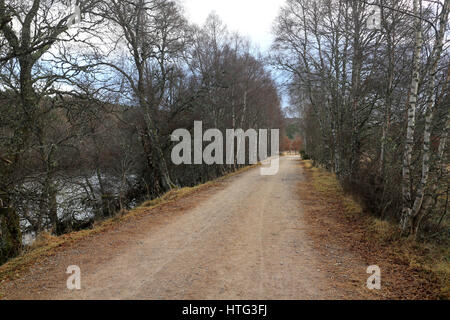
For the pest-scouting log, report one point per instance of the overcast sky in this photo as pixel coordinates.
(252, 18)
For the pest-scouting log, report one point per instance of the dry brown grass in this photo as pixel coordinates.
(422, 270)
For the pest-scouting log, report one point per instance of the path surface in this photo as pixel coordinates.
(243, 240)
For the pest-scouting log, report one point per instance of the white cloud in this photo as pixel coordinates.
(252, 18)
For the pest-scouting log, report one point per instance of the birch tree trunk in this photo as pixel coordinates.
(431, 103)
(409, 142)
(355, 88)
(390, 29)
(431, 200)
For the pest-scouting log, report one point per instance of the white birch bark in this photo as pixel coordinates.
(441, 169)
(409, 142)
(431, 102)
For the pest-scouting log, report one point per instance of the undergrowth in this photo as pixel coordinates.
(430, 259)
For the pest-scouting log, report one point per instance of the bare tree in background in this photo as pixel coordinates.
(87, 112)
(349, 83)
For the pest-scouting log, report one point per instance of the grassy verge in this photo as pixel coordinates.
(47, 245)
(424, 263)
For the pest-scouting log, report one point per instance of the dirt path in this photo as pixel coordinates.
(243, 239)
